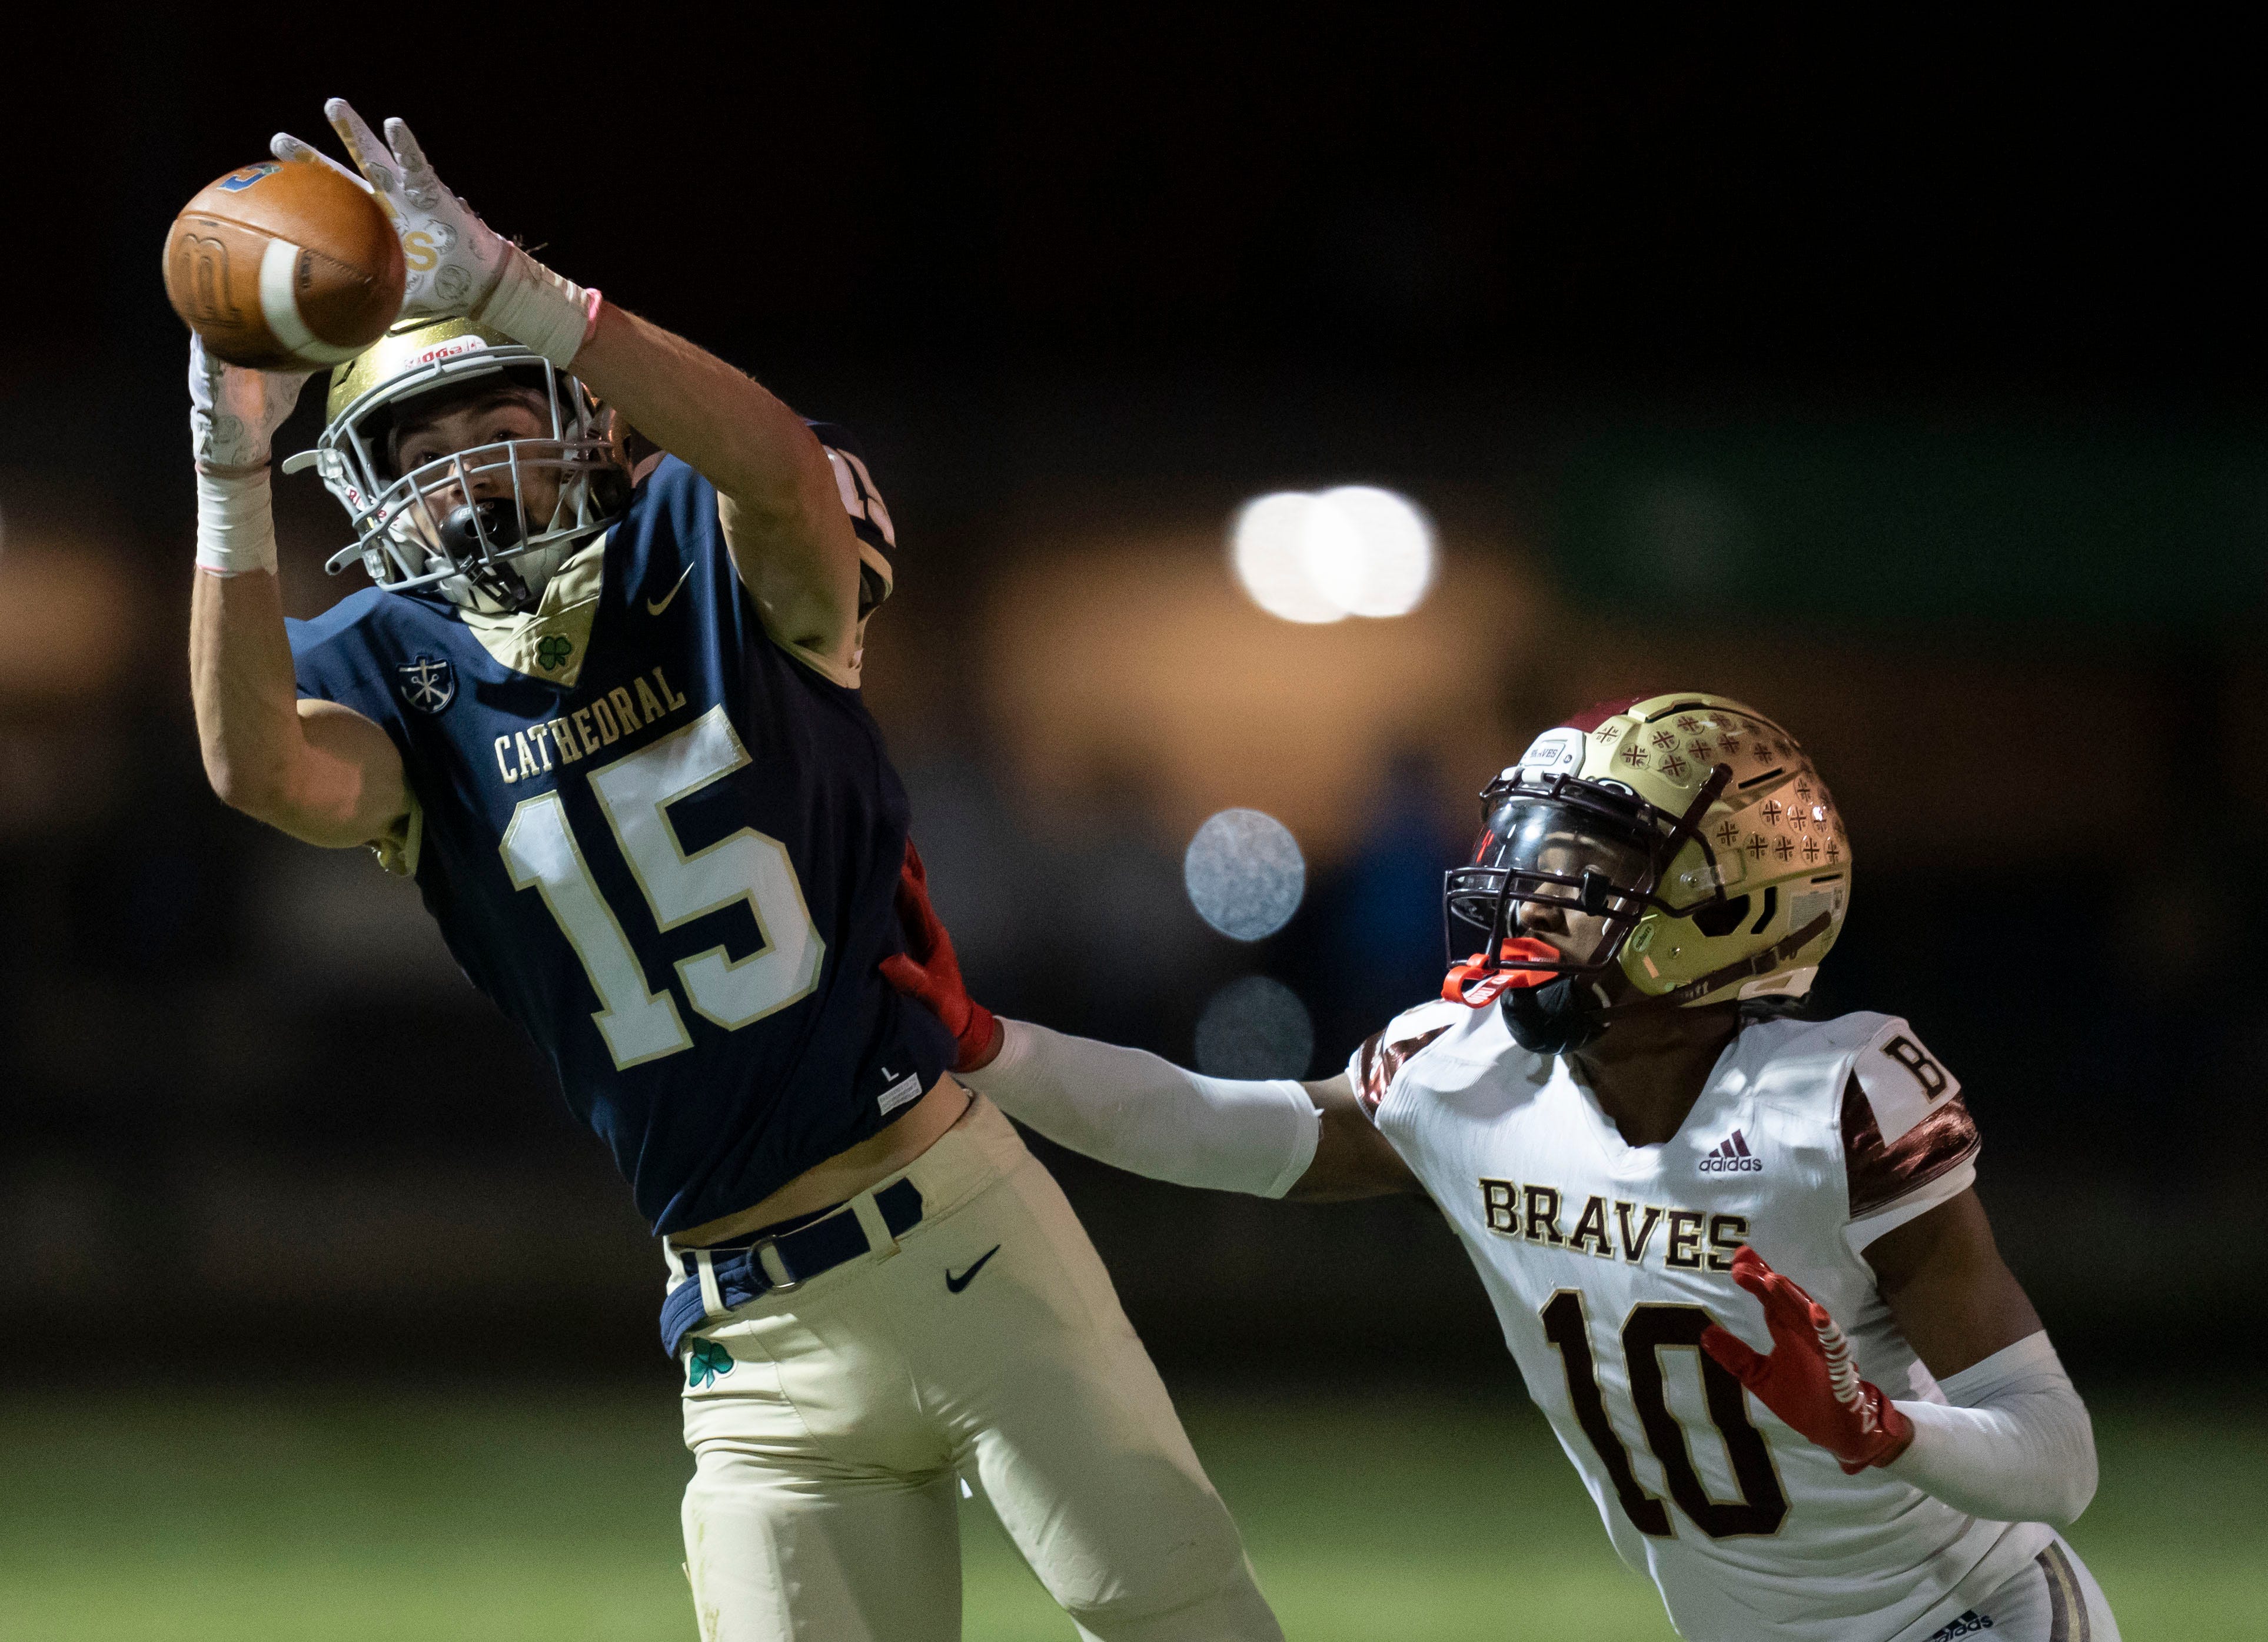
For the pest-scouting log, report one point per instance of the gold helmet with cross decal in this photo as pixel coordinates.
(1683, 839)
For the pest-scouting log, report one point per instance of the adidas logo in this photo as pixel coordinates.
(1732, 1157)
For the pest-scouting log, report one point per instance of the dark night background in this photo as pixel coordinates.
(1907, 387)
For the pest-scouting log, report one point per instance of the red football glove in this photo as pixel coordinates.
(1809, 1379)
(928, 970)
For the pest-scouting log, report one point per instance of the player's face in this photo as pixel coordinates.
(1556, 856)
(509, 413)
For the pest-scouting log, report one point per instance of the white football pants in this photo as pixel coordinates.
(824, 1500)
(2054, 1599)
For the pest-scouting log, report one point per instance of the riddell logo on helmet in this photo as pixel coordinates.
(448, 350)
(1732, 1157)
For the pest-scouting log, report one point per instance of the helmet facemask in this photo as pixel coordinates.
(1564, 871)
(464, 524)
(1678, 850)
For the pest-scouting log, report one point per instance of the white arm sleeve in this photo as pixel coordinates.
(1147, 1115)
(2015, 1445)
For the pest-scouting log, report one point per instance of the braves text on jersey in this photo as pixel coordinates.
(663, 844)
(1605, 1261)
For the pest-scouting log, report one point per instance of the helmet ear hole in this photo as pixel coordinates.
(1721, 917)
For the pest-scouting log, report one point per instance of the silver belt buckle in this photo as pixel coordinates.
(788, 1283)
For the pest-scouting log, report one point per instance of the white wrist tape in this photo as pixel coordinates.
(1148, 1115)
(236, 526)
(534, 306)
(2015, 1444)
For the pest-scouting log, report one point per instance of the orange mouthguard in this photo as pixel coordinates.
(1475, 985)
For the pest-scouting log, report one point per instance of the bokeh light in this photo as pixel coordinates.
(1255, 1027)
(1245, 873)
(1353, 550)
(1270, 551)
(72, 625)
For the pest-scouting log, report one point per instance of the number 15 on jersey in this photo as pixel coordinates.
(541, 851)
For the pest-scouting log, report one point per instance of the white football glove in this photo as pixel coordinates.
(233, 416)
(453, 257)
(233, 412)
(456, 262)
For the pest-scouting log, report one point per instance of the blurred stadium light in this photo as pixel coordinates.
(1131, 655)
(1353, 550)
(1384, 566)
(1255, 1027)
(1245, 873)
(1269, 547)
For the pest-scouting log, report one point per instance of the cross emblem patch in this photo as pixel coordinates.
(428, 685)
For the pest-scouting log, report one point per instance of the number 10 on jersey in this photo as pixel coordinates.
(541, 851)
(1650, 1328)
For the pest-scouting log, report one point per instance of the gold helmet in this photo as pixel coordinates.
(1685, 839)
(461, 524)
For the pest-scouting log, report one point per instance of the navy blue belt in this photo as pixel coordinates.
(818, 1246)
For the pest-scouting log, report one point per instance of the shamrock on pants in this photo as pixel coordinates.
(707, 1360)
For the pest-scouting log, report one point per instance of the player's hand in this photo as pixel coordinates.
(1808, 1379)
(234, 412)
(929, 970)
(454, 259)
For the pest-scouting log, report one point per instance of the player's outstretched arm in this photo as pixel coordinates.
(1352, 1158)
(782, 515)
(1136, 1111)
(791, 540)
(319, 771)
(1142, 1113)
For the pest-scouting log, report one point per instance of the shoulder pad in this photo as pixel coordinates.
(1903, 1082)
(1383, 1054)
(870, 515)
(1804, 1064)
(1922, 1161)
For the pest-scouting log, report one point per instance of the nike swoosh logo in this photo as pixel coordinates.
(957, 1284)
(655, 607)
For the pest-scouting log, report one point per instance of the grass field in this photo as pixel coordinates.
(330, 1516)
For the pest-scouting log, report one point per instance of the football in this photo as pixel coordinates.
(284, 266)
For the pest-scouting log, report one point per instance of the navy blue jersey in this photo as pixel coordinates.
(677, 873)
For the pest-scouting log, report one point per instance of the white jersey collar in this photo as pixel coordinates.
(1726, 1082)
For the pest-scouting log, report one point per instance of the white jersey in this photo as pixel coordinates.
(1605, 1261)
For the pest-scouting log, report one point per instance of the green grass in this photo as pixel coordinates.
(553, 1516)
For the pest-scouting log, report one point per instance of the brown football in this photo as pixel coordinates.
(284, 266)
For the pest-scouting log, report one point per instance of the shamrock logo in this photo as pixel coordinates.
(708, 1360)
(551, 654)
